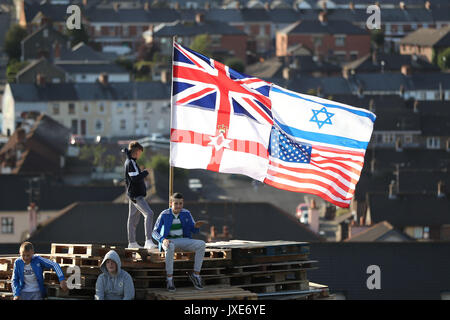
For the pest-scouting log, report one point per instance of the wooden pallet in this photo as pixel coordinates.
(178, 271)
(208, 293)
(272, 277)
(266, 248)
(5, 285)
(77, 261)
(288, 265)
(276, 286)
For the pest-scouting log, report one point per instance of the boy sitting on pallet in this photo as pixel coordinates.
(173, 230)
(27, 280)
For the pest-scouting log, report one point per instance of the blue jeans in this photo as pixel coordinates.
(31, 295)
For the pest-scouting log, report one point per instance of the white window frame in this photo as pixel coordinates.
(433, 142)
(102, 125)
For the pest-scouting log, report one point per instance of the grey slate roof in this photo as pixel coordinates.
(316, 27)
(410, 209)
(328, 85)
(209, 27)
(392, 62)
(24, 92)
(131, 15)
(82, 52)
(378, 232)
(422, 181)
(428, 37)
(92, 68)
(107, 222)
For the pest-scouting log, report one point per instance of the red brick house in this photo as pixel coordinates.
(339, 39)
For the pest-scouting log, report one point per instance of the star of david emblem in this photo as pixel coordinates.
(319, 119)
(219, 142)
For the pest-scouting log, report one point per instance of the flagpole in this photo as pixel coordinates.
(171, 107)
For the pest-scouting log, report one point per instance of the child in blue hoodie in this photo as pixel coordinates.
(114, 283)
(27, 280)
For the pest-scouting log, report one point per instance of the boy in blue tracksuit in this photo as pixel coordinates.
(27, 279)
(173, 230)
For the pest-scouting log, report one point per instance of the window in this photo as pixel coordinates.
(86, 108)
(408, 139)
(56, 108)
(101, 107)
(45, 33)
(71, 108)
(99, 125)
(7, 225)
(148, 107)
(388, 138)
(123, 124)
(340, 41)
(74, 126)
(400, 29)
(433, 142)
(317, 41)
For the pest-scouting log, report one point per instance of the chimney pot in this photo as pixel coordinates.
(103, 79)
(441, 191)
(406, 70)
(40, 80)
(199, 18)
(416, 106)
(427, 5)
(323, 18)
(402, 5)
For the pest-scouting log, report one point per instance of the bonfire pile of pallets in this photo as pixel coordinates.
(244, 270)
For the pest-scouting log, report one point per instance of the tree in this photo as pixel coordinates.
(236, 64)
(13, 68)
(202, 44)
(77, 35)
(443, 59)
(13, 38)
(377, 37)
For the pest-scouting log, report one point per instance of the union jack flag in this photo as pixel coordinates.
(231, 104)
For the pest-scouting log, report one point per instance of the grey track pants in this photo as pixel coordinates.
(133, 218)
(31, 295)
(185, 244)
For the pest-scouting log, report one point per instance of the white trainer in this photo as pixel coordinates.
(150, 245)
(134, 245)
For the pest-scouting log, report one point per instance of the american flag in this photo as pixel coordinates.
(301, 167)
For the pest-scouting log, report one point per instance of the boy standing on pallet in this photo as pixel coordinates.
(173, 230)
(27, 280)
(136, 191)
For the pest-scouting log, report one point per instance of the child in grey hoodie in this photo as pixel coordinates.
(114, 283)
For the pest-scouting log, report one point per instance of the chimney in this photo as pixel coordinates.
(428, 5)
(207, 6)
(375, 57)
(238, 5)
(324, 5)
(40, 80)
(406, 70)
(441, 189)
(402, 5)
(32, 217)
(177, 6)
(267, 6)
(448, 145)
(85, 3)
(225, 232)
(56, 51)
(212, 232)
(312, 204)
(392, 191)
(21, 134)
(323, 18)
(103, 79)
(351, 5)
(416, 106)
(116, 6)
(147, 6)
(287, 73)
(372, 165)
(372, 105)
(165, 76)
(199, 18)
(398, 145)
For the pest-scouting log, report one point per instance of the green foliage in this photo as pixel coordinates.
(110, 162)
(13, 68)
(443, 59)
(377, 37)
(142, 70)
(312, 92)
(77, 35)
(236, 64)
(12, 41)
(126, 63)
(94, 154)
(160, 163)
(202, 44)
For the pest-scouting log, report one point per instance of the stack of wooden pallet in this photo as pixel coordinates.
(231, 270)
